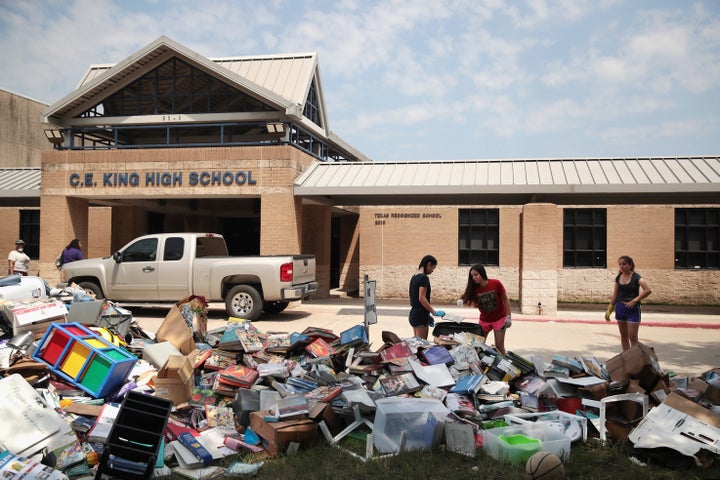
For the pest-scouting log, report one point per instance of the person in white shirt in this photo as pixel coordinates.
(18, 261)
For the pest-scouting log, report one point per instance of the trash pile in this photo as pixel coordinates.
(91, 391)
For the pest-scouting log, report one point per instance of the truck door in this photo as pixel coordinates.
(174, 269)
(136, 277)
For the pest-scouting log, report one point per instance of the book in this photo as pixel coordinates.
(200, 473)
(570, 363)
(430, 391)
(398, 350)
(200, 397)
(461, 404)
(399, 384)
(238, 375)
(16, 466)
(324, 333)
(103, 424)
(219, 359)
(193, 444)
(218, 416)
(319, 348)
(437, 354)
(199, 355)
(250, 341)
(324, 393)
(277, 342)
(353, 336)
(469, 384)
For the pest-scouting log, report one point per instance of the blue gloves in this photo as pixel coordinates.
(439, 313)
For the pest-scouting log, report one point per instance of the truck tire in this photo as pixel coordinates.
(275, 307)
(93, 288)
(243, 301)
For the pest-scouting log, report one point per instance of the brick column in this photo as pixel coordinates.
(61, 220)
(316, 241)
(280, 224)
(541, 243)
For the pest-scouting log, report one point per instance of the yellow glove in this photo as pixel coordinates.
(609, 311)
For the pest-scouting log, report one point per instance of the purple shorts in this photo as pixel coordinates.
(625, 314)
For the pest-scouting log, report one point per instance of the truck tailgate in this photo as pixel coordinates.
(303, 269)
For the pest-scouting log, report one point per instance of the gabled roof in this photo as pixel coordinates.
(19, 182)
(593, 180)
(280, 80)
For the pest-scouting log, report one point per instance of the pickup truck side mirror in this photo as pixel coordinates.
(118, 257)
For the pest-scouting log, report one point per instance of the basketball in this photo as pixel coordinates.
(544, 466)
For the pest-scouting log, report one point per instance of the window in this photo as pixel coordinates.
(174, 247)
(144, 250)
(478, 236)
(697, 238)
(30, 232)
(584, 237)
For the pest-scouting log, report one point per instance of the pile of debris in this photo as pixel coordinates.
(92, 391)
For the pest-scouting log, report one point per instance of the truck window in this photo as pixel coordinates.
(174, 247)
(210, 247)
(144, 250)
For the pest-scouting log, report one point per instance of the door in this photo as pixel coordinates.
(136, 277)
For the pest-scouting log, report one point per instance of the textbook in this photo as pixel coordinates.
(399, 384)
(103, 424)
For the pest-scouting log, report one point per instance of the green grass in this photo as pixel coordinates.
(588, 461)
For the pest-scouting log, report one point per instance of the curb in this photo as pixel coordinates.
(644, 323)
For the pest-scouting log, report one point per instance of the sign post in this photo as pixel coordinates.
(370, 312)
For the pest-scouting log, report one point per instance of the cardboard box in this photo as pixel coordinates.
(323, 412)
(679, 424)
(175, 380)
(639, 362)
(278, 435)
(33, 315)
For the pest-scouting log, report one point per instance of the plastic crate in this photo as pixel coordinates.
(551, 441)
(80, 356)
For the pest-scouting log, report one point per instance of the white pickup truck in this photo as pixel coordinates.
(170, 266)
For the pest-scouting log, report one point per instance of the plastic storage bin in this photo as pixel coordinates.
(420, 418)
(573, 426)
(552, 441)
(80, 356)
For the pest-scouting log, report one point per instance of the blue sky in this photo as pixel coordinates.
(427, 79)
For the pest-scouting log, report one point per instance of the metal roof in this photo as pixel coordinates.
(102, 80)
(19, 182)
(457, 182)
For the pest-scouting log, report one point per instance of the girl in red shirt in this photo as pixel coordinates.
(490, 297)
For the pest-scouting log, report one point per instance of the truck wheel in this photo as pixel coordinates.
(92, 288)
(275, 307)
(243, 301)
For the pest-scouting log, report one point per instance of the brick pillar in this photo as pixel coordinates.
(540, 237)
(316, 241)
(280, 224)
(61, 220)
(349, 253)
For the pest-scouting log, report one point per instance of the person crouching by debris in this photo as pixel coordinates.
(18, 260)
(490, 297)
(421, 311)
(626, 297)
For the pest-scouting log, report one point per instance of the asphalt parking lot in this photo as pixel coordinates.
(685, 339)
